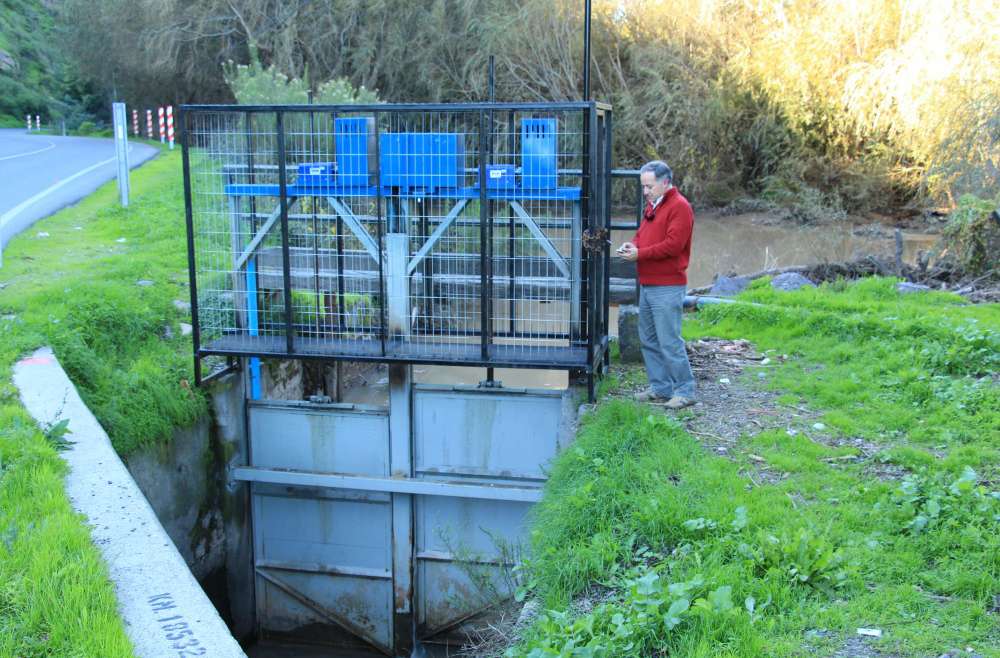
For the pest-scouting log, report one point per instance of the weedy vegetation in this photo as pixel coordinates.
(647, 544)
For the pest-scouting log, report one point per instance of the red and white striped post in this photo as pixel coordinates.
(170, 125)
(38, 122)
(135, 123)
(27, 118)
(163, 133)
(149, 124)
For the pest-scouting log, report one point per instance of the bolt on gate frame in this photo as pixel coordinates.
(464, 234)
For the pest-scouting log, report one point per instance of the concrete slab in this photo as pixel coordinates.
(166, 612)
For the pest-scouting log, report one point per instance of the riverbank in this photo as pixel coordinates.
(834, 493)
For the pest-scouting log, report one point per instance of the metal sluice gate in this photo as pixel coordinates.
(459, 234)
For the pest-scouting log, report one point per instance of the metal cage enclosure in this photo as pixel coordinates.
(468, 234)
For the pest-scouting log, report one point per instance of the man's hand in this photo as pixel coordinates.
(628, 251)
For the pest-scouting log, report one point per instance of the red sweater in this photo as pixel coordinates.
(664, 241)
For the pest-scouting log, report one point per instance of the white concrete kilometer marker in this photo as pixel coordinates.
(170, 126)
(165, 611)
(163, 134)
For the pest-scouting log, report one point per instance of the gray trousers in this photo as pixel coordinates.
(660, 312)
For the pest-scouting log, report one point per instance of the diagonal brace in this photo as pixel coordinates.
(436, 235)
(541, 238)
(261, 234)
(355, 226)
(321, 610)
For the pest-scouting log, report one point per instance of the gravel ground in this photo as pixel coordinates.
(733, 404)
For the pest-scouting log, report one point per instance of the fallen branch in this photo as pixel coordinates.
(710, 435)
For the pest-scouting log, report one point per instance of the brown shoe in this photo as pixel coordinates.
(678, 402)
(649, 396)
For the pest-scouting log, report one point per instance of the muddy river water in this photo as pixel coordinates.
(752, 242)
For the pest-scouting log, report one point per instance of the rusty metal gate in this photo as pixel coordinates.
(389, 528)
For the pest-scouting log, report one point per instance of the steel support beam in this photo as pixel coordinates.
(401, 467)
(397, 247)
(541, 238)
(436, 235)
(355, 225)
(260, 235)
(576, 281)
(391, 485)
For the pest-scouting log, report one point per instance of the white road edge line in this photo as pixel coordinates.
(6, 217)
(51, 146)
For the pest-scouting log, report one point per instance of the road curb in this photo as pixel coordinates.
(165, 611)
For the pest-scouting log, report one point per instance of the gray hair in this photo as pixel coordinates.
(660, 169)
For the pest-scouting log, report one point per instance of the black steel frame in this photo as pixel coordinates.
(595, 213)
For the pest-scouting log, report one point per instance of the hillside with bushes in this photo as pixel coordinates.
(37, 75)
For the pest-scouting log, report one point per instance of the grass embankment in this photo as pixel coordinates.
(697, 557)
(77, 290)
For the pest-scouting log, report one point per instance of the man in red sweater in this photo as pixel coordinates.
(661, 250)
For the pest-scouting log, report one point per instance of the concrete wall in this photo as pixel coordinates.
(205, 513)
(181, 482)
(231, 435)
(164, 609)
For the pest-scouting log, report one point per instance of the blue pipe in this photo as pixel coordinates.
(252, 320)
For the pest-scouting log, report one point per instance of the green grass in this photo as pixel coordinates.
(8, 121)
(55, 597)
(637, 504)
(77, 291)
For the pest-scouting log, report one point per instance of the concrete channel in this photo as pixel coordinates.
(165, 610)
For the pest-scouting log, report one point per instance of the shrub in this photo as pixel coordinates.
(254, 83)
(972, 235)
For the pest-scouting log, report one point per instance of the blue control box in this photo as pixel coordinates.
(316, 174)
(421, 161)
(500, 177)
(539, 147)
(355, 143)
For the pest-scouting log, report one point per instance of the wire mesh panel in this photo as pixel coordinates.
(436, 233)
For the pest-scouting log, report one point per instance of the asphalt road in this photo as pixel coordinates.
(40, 174)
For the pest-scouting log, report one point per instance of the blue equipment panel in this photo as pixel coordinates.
(412, 164)
(539, 146)
(316, 174)
(426, 161)
(500, 177)
(355, 143)
(393, 160)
